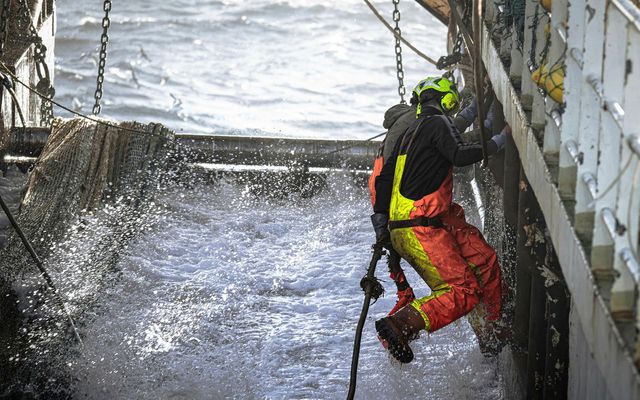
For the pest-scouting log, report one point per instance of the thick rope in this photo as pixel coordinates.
(370, 290)
(403, 40)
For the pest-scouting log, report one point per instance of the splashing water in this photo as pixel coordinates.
(235, 296)
(222, 293)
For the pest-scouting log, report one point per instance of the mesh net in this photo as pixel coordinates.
(86, 171)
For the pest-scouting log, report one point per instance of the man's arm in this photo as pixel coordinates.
(460, 154)
(384, 181)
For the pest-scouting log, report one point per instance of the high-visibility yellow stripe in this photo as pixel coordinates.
(407, 244)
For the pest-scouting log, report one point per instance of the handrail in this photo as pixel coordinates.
(628, 10)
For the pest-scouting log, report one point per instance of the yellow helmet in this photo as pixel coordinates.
(433, 87)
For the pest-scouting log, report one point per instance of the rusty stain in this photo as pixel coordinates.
(523, 186)
(534, 235)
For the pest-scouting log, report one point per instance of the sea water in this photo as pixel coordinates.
(230, 294)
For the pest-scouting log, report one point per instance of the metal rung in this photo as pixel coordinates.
(634, 143)
(596, 84)
(610, 221)
(629, 10)
(572, 149)
(562, 31)
(631, 263)
(616, 111)
(557, 118)
(576, 54)
(591, 182)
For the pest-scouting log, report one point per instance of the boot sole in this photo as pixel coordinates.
(399, 350)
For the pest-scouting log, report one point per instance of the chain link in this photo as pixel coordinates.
(4, 24)
(102, 60)
(44, 85)
(399, 68)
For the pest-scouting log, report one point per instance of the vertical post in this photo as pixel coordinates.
(523, 273)
(511, 270)
(527, 86)
(538, 108)
(532, 230)
(624, 300)
(573, 90)
(610, 148)
(589, 124)
(551, 145)
(557, 343)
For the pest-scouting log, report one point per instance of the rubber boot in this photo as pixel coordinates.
(395, 332)
(404, 298)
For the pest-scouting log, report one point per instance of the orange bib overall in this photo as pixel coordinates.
(454, 260)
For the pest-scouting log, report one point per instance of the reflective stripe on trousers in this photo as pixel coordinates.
(442, 262)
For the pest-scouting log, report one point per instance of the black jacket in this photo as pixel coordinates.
(432, 145)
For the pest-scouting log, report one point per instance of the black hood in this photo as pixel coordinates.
(395, 112)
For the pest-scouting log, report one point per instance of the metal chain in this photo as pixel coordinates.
(44, 85)
(4, 24)
(399, 69)
(446, 62)
(102, 61)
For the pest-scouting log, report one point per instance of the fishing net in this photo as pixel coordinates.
(87, 196)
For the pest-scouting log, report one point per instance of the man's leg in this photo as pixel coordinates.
(434, 254)
(405, 292)
(455, 289)
(485, 321)
(481, 257)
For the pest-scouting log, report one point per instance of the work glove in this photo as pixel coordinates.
(497, 141)
(470, 112)
(380, 226)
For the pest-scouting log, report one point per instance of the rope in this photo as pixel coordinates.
(634, 186)
(354, 145)
(37, 93)
(398, 36)
(477, 72)
(371, 288)
(613, 182)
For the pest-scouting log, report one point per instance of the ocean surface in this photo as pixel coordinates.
(228, 294)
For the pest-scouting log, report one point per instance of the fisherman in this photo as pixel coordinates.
(414, 214)
(397, 120)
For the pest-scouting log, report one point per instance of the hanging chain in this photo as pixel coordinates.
(4, 24)
(102, 61)
(446, 62)
(44, 85)
(400, 70)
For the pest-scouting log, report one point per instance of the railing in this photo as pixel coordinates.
(19, 57)
(589, 147)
